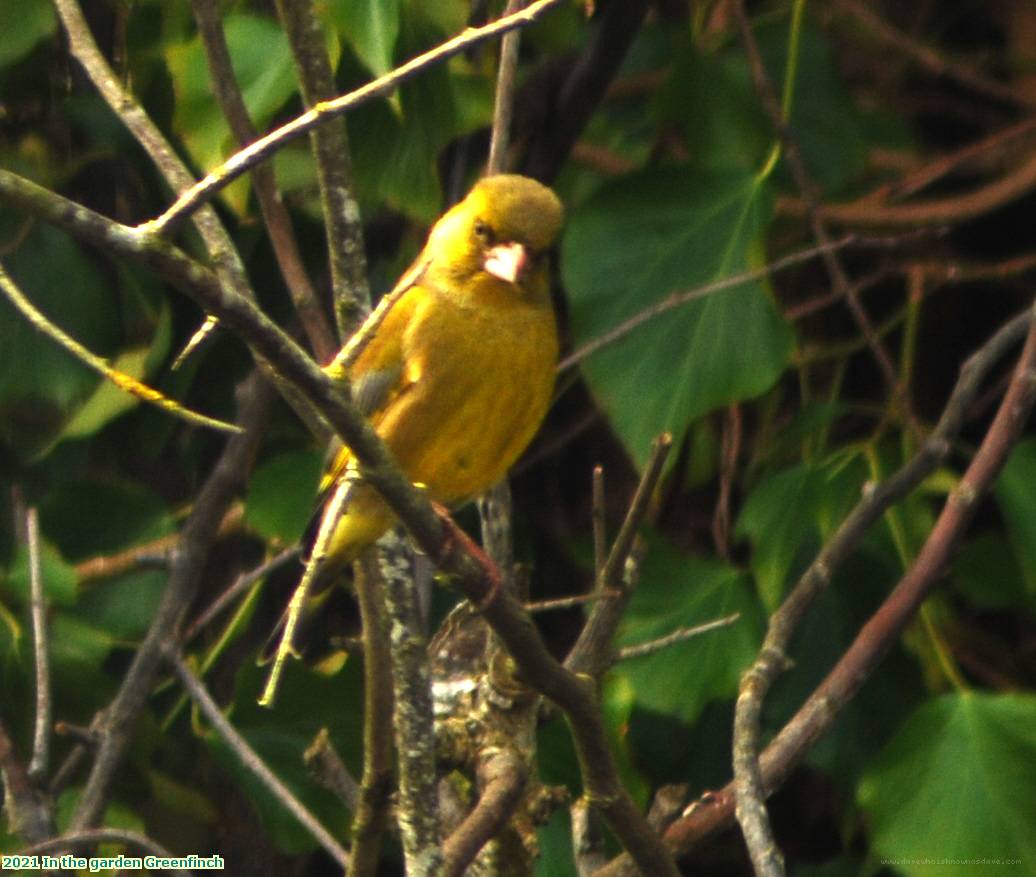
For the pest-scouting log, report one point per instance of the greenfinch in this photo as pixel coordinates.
(459, 374)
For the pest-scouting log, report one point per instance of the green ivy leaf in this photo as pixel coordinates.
(632, 244)
(678, 590)
(88, 517)
(784, 513)
(41, 384)
(124, 606)
(281, 493)
(955, 786)
(370, 27)
(23, 25)
(1017, 500)
(59, 579)
(712, 95)
(264, 71)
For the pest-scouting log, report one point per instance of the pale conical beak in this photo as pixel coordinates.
(507, 261)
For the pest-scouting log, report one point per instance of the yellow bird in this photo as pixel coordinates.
(458, 376)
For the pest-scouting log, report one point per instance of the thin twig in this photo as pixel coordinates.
(715, 812)
(592, 653)
(39, 764)
(683, 297)
(92, 361)
(598, 513)
(677, 636)
(370, 816)
(929, 59)
(264, 147)
(985, 149)
(558, 603)
(73, 761)
(503, 104)
(115, 725)
(810, 306)
(251, 760)
(328, 769)
(243, 583)
(948, 210)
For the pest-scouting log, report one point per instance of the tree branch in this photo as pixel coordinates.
(115, 726)
(371, 813)
(251, 760)
(39, 764)
(418, 810)
(275, 214)
(502, 779)
(716, 810)
(330, 143)
(265, 146)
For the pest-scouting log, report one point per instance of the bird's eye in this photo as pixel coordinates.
(483, 232)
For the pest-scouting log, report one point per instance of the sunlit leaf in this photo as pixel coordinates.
(263, 68)
(42, 385)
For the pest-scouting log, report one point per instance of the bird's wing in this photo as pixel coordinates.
(378, 376)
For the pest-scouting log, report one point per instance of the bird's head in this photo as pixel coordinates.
(502, 229)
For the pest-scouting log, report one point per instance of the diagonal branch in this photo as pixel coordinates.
(715, 812)
(502, 779)
(265, 146)
(757, 777)
(251, 760)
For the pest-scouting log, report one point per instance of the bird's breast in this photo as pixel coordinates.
(483, 384)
